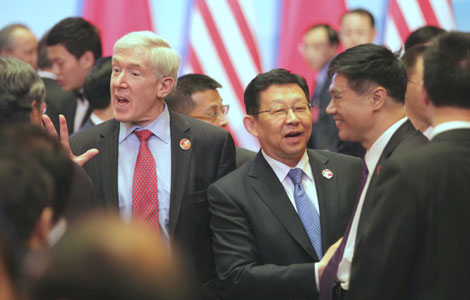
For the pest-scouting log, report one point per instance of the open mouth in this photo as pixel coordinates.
(293, 134)
(122, 100)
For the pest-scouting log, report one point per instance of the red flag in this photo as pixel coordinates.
(297, 16)
(115, 18)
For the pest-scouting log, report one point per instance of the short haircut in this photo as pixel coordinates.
(422, 35)
(5, 35)
(447, 70)
(411, 56)
(164, 60)
(263, 81)
(20, 86)
(331, 33)
(180, 101)
(362, 12)
(368, 63)
(97, 84)
(43, 60)
(77, 35)
(34, 142)
(25, 190)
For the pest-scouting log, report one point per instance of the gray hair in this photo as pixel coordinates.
(20, 86)
(164, 60)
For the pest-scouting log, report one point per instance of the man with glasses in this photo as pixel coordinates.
(196, 96)
(277, 215)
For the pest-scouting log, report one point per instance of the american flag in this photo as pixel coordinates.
(404, 16)
(223, 46)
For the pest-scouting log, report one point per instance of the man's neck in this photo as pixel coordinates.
(449, 114)
(382, 124)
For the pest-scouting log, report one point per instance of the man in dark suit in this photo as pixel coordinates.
(320, 45)
(270, 229)
(415, 244)
(196, 95)
(185, 155)
(368, 90)
(73, 46)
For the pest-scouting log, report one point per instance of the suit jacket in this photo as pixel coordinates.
(243, 155)
(261, 248)
(212, 155)
(324, 131)
(61, 102)
(416, 243)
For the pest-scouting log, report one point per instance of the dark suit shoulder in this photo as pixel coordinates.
(88, 138)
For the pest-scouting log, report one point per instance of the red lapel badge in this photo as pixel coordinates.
(185, 144)
(327, 174)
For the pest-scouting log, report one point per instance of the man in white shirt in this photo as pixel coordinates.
(368, 90)
(277, 214)
(415, 244)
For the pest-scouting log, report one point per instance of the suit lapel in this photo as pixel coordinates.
(267, 186)
(328, 198)
(108, 179)
(404, 131)
(180, 168)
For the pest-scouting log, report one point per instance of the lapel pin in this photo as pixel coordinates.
(185, 144)
(327, 174)
(379, 167)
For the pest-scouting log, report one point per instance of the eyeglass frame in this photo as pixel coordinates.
(286, 112)
(215, 114)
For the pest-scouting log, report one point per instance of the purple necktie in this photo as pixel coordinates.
(328, 280)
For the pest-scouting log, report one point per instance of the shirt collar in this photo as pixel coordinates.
(375, 151)
(443, 127)
(160, 127)
(281, 170)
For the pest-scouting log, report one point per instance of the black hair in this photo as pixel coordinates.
(180, 101)
(331, 33)
(447, 70)
(369, 63)
(77, 35)
(422, 35)
(263, 81)
(362, 12)
(411, 56)
(97, 83)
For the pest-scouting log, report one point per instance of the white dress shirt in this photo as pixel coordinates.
(371, 159)
(160, 146)
(447, 126)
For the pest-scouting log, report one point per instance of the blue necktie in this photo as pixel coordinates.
(307, 211)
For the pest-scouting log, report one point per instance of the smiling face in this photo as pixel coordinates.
(352, 112)
(283, 138)
(134, 88)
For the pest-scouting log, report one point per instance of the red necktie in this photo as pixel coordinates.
(144, 187)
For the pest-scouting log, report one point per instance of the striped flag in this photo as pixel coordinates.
(222, 45)
(404, 16)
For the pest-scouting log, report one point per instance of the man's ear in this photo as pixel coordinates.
(250, 124)
(35, 117)
(87, 60)
(378, 97)
(165, 86)
(42, 227)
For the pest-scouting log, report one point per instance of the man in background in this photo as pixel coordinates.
(196, 96)
(357, 28)
(320, 45)
(73, 46)
(16, 40)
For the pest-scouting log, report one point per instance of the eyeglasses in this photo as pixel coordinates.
(281, 111)
(217, 114)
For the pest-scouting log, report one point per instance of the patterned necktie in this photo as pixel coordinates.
(328, 280)
(144, 187)
(307, 212)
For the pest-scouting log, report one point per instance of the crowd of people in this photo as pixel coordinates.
(119, 180)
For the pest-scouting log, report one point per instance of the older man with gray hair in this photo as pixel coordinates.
(155, 165)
